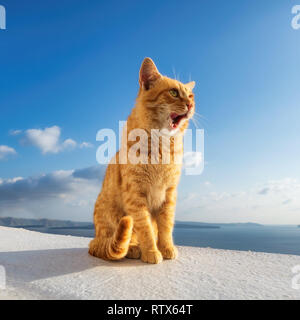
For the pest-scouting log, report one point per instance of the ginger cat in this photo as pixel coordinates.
(134, 213)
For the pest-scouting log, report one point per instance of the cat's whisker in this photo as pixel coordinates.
(195, 124)
(174, 73)
(199, 115)
(201, 119)
(200, 123)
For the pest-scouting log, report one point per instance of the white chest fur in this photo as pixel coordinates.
(156, 197)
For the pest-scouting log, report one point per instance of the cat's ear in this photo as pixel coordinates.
(148, 74)
(191, 85)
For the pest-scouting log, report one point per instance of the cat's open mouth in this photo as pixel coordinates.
(176, 119)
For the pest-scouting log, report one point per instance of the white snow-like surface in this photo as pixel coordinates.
(45, 266)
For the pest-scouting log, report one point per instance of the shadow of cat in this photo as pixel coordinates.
(42, 264)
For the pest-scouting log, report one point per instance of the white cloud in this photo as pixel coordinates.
(15, 132)
(274, 202)
(192, 159)
(69, 144)
(86, 145)
(57, 195)
(6, 151)
(48, 140)
(285, 188)
(72, 194)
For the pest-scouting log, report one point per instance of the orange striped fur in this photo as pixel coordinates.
(134, 213)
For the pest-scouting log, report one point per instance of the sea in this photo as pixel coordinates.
(258, 238)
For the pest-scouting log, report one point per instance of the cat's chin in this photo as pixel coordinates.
(169, 132)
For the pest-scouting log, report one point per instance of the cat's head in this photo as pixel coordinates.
(168, 103)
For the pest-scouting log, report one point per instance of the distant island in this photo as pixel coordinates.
(193, 224)
(67, 224)
(41, 223)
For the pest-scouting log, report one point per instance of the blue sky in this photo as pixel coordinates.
(74, 65)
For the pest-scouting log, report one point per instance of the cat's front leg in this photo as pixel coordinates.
(136, 206)
(165, 224)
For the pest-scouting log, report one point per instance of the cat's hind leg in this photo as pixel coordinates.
(115, 247)
(134, 251)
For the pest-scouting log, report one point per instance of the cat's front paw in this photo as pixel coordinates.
(169, 252)
(134, 252)
(152, 256)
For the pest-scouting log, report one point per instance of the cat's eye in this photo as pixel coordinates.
(174, 93)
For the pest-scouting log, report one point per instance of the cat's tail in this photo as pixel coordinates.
(116, 247)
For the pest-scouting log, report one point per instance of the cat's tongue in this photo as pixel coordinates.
(173, 115)
(176, 118)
